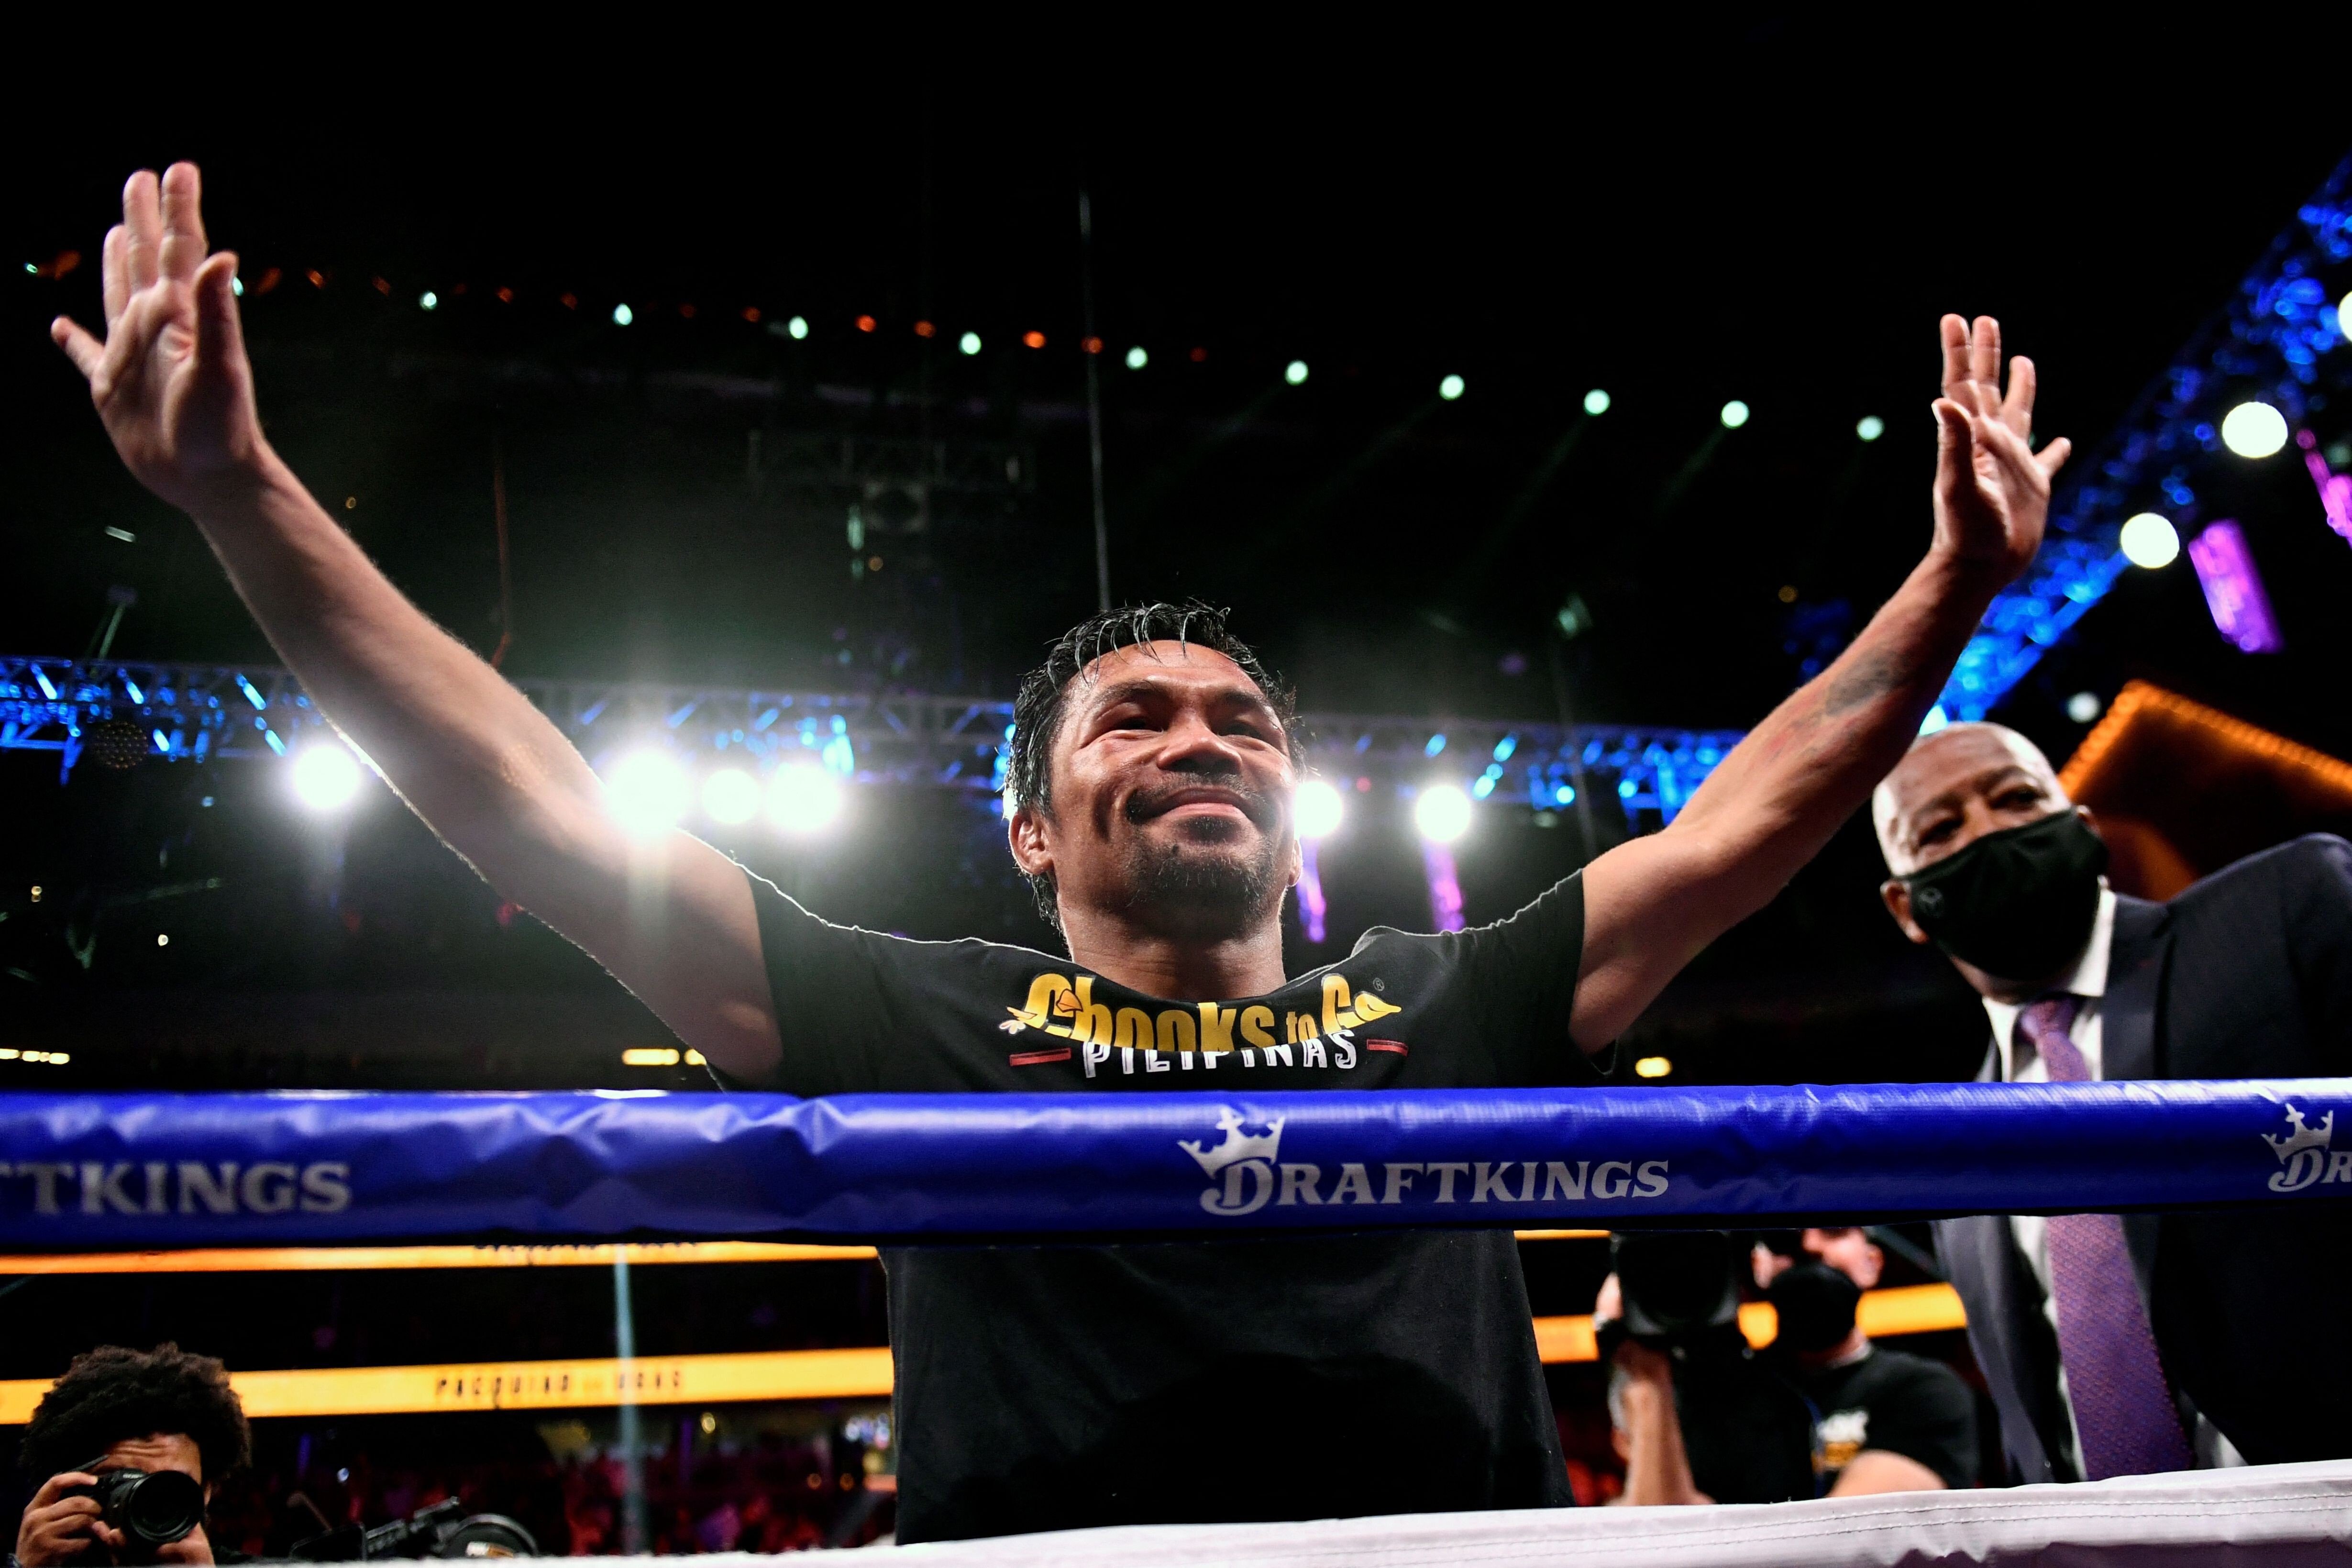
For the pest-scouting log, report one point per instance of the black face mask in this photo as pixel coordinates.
(2017, 903)
(1816, 1304)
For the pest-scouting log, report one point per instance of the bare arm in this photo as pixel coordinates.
(668, 915)
(1875, 1470)
(1652, 904)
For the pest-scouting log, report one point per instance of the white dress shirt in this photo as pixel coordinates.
(2021, 1063)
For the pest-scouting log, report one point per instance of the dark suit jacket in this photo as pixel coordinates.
(2247, 974)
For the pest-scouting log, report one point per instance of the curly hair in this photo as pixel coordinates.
(1037, 706)
(110, 1393)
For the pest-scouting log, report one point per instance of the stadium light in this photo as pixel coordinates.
(1316, 809)
(1452, 387)
(429, 300)
(1295, 372)
(2149, 539)
(326, 776)
(1596, 402)
(732, 796)
(1442, 812)
(2254, 430)
(2084, 707)
(1870, 427)
(1735, 414)
(1137, 359)
(797, 327)
(802, 799)
(969, 342)
(623, 315)
(649, 791)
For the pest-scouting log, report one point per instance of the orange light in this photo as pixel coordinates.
(687, 310)
(751, 312)
(1200, 356)
(1035, 340)
(926, 329)
(570, 301)
(318, 278)
(269, 278)
(506, 296)
(1092, 345)
(382, 286)
(865, 323)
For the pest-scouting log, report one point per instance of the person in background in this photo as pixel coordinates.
(119, 1409)
(2137, 1343)
(1881, 1420)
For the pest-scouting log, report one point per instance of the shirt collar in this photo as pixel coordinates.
(2087, 979)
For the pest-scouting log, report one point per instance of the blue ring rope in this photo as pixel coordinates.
(139, 1170)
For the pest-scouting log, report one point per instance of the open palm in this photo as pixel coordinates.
(170, 380)
(1993, 490)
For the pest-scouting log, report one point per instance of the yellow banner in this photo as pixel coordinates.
(858, 1374)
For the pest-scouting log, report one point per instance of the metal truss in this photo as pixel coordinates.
(2273, 342)
(134, 712)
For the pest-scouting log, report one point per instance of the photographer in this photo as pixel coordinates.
(131, 1444)
(1824, 1412)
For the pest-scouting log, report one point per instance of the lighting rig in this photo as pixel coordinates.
(2240, 391)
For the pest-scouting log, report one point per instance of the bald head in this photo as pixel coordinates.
(1955, 786)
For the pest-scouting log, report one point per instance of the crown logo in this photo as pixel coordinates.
(1237, 1146)
(2303, 1137)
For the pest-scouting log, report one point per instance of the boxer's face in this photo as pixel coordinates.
(1170, 801)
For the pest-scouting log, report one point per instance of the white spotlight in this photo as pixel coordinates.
(2084, 707)
(2149, 539)
(801, 799)
(797, 327)
(730, 796)
(1442, 813)
(623, 315)
(969, 342)
(1596, 402)
(326, 776)
(1735, 414)
(649, 791)
(1137, 359)
(2254, 430)
(2344, 315)
(1295, 372)
(1316, 809)
(1452, 387)
(1870, 427)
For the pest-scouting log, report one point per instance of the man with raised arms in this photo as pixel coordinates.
(1153, 762)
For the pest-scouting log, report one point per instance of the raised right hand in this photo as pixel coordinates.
(171, 382)
(57, 1527)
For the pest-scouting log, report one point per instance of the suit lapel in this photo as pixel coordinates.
(2143, 939)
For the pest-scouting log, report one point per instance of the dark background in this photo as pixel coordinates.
(1766, 208)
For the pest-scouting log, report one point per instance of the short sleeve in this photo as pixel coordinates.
(1523, 971)
(829, 986)
(1930, 1416)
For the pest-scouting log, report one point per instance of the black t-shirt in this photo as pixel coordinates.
(1054, 1387)
(1896, 1403)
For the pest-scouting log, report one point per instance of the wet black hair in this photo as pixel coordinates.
(109, 1393)
(1038, 705)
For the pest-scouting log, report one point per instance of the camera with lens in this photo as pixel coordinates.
(442, 1530)
(152, 1507)
(1746, 1431)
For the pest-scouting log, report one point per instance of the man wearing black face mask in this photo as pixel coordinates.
(1883, 1420)
(2124, 1345)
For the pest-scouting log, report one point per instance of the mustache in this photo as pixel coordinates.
(1261, 808)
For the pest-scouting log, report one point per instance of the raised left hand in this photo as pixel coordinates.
(1993, 490)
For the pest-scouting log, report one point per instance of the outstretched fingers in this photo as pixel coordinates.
(85, 350)
(1955, 332)
(2017, 408)
(1984, 358)
(2054, 456)
(220, 334)
(143, 217)
(114, 273)
(184, 245)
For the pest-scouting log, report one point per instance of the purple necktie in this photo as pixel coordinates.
(2123, 1410)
